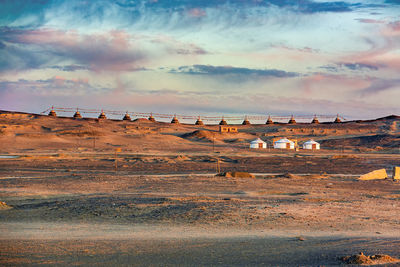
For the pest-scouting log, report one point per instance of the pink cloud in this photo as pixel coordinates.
(110, 51)
(383, 48)
(115, 50)
(197, 12)
(171, 45)
(371, 21)
(395, 26)
(319, 83)
(305, 49)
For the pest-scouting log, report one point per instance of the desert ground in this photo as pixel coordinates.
(140, 193)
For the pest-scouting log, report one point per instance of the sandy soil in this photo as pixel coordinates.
(67, 201)
(237, 251)
(93, 219)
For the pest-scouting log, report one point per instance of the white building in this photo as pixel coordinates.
(258, 143)
(311, 144)
(284, 143)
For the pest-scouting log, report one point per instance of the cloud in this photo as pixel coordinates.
(316, 7)
(69, 68)
(197, 12)
(305, 6)
(23, 13)
(396, 2)
(16, 58)
(380, 85)
(228, 70)
(371, 21)
(78, 38)
(395, 26)
(301, 5)
(382, 52)
(357, 66)
(305, 49)
(127, 12)
(56, 85)
(174, 46)
(108, 51)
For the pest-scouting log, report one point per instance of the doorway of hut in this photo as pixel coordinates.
(314, 146)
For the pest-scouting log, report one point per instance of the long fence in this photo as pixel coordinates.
(211, 119)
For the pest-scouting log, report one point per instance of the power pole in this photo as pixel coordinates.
(213, 142)
(116, 159)
(116, 163)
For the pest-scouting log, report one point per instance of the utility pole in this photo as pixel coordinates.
(78, 139)
(218, 167)
(116, 159)
(213, 142)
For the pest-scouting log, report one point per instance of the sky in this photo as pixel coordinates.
(202, 57)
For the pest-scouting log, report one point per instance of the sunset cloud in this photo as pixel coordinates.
(304, 56)
(228, 70)
(380, 85)
(110, 51)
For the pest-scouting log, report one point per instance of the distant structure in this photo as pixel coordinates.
(223, 122)
(258, 143)
(127, 117)
(102, 115)
(228, 129)
(284, 143)
(337, 120)
(246, 121)
(292, 120)
(269, 120)
(151, 118)
(315, 120)
(52, 113)
(175, 120)
(199, 121)
(311, 144)
(77, 115)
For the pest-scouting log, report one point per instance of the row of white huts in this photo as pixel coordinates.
(284, 143)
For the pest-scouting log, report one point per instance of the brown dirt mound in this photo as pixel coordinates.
(181, 158)
(368, 260)
(199, 135)
(235, 140)
(237, 175)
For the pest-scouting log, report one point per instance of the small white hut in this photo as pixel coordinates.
(311, 144)
(258, 143)
(284, 143)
